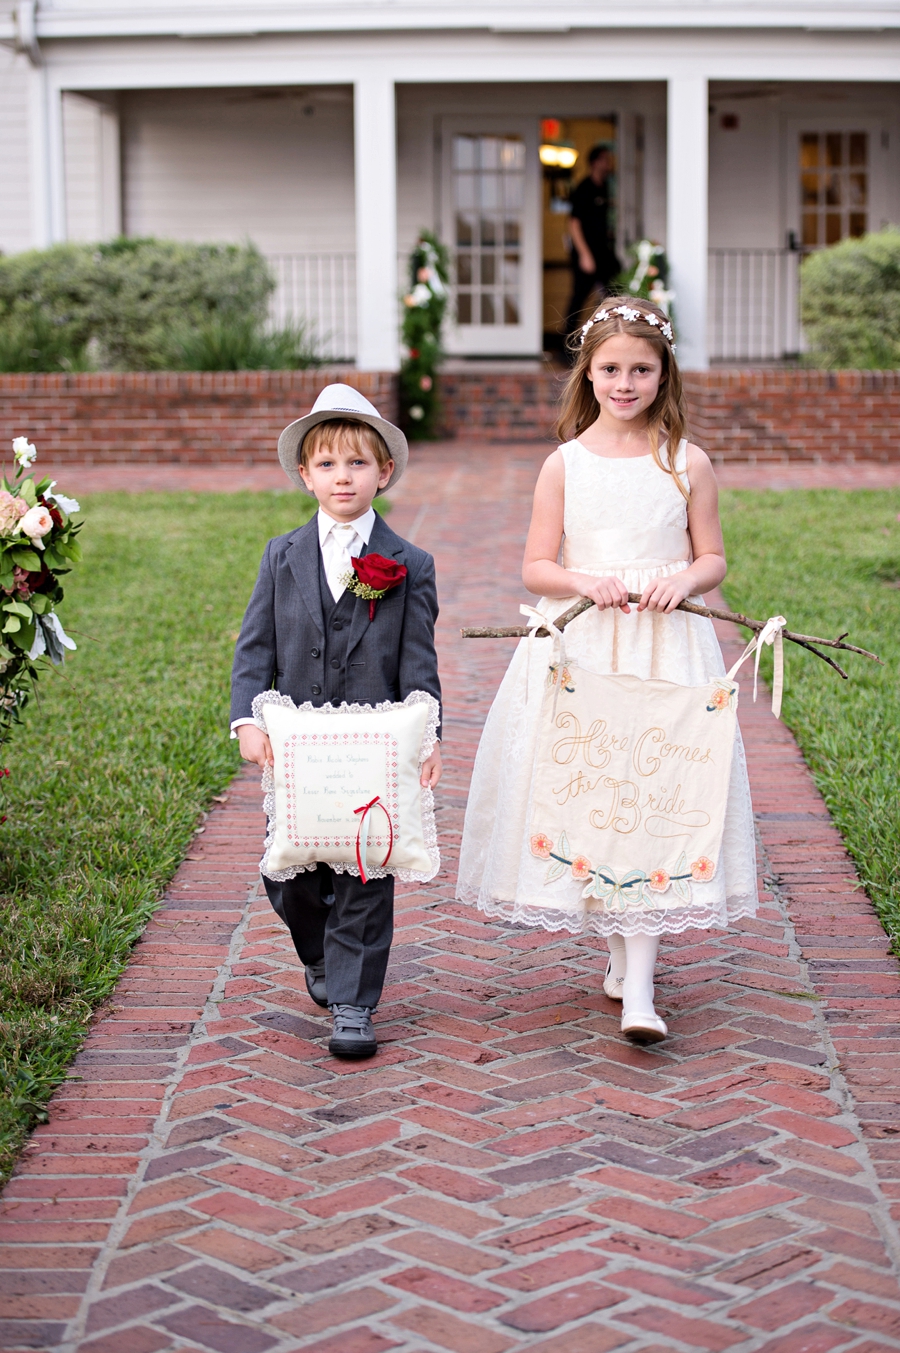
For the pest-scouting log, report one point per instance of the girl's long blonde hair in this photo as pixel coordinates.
(667, 415)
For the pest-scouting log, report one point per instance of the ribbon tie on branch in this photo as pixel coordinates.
(771, 633)
(559, 647)
(362, 835)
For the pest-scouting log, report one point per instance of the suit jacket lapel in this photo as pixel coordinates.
(382, 541)
(303, 559)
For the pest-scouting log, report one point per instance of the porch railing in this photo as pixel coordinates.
(320, 290)
(754, 304)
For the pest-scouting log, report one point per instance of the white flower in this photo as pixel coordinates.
(417, 412)
(420, 295)
(67, 505)
(24, 452)
(36, 523)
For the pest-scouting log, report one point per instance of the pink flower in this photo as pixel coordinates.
(581, 867)
(425, 383)
(11, 510)
(658, 880)
(36, 522)
(703, 869)
(541, 846)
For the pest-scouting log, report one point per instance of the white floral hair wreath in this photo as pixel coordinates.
(629, 313)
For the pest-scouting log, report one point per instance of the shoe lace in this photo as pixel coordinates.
(351, 1017)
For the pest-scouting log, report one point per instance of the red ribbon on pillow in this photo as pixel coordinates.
(365, 809)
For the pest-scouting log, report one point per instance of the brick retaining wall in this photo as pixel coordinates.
(766, 414)
(176, 417)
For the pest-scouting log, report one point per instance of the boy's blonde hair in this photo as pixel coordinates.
(325, 436)
(667, 415)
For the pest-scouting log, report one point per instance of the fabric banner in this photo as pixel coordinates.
(631, 784)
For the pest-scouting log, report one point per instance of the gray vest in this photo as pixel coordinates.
(337, 615)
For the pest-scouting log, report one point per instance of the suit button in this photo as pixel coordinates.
(335, 663)
(314, 652)
(317, 690)
(338, 625)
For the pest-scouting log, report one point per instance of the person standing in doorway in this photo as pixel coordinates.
(594, 261)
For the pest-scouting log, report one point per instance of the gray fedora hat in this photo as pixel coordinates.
(340, 402)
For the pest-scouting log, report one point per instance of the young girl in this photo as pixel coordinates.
(635, 507)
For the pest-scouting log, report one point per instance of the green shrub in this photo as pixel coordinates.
(127, 297)
(850, 302)
(243, 345)
(31, 341)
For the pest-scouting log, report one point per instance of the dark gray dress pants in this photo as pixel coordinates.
(343, 920)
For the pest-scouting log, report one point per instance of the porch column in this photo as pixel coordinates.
(375, 168)
(687, 213)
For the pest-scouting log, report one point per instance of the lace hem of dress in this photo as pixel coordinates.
(673, 922)
(267, 784)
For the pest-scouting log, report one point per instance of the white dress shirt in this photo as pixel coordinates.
(339, 542)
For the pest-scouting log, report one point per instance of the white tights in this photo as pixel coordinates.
(634, 958)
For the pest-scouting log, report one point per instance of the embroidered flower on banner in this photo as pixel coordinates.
(702, 869)
(541, 846)
(721, 698)
(581, 868)
(658, 880)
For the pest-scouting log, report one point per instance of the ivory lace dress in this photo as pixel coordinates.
(624, 518)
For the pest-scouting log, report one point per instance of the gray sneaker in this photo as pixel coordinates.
(353, 1035)
(315, 982)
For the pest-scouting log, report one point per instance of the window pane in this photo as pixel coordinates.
(488, 270)
(488, 234)
(514, 196)
(464, 307)
(513, 154)
(464, 152)
(464, 270)
(490, 152)
(833, 148)
(857, 224)
(510, 310)
(511, 270)
(465, 229)
(511, 231)
(857, 194)
(832, 190)
(832, 227)
(810, 229)
(487, 309)
(466, 188)
(809, 150)
(859, 145)
(491, 192)
(809, 188)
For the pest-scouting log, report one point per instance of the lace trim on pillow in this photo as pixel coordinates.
(673, 922)
(429, 826)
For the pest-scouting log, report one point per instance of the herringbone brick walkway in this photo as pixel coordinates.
(508, 1173)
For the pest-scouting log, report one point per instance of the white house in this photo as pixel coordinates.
(744, 132)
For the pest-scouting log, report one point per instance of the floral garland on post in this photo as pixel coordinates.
(37, 546)
(646, 275)
(423, 313)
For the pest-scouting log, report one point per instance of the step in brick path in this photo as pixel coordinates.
(508, 1173)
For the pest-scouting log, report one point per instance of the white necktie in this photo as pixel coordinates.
(347, 543)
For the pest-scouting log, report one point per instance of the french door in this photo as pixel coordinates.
(491, 222)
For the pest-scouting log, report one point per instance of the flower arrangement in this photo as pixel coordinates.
(37, 546)
(646, 275)
(423, 313)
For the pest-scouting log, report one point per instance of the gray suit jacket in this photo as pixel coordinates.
(282, 639)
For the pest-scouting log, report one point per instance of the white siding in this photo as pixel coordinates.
(272, 165)
(91, 156)
(15, 182)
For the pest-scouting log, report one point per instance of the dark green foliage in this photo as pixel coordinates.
(229, 344)
(128, 299)
(423, 313)
(830, 561)
(850, 302)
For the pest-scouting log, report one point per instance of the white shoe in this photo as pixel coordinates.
(643, 1028)
(612, 985)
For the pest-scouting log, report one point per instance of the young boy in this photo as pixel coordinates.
(305, 634)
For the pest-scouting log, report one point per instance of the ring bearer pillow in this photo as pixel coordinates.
(345, 788)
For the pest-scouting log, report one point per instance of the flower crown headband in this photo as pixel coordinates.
(629, 313)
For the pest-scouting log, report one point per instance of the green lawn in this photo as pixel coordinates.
(830, 561)
(119, 755)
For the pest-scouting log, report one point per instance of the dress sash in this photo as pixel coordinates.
(663, 544)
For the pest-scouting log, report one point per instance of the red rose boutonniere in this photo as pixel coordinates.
(372, 576)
